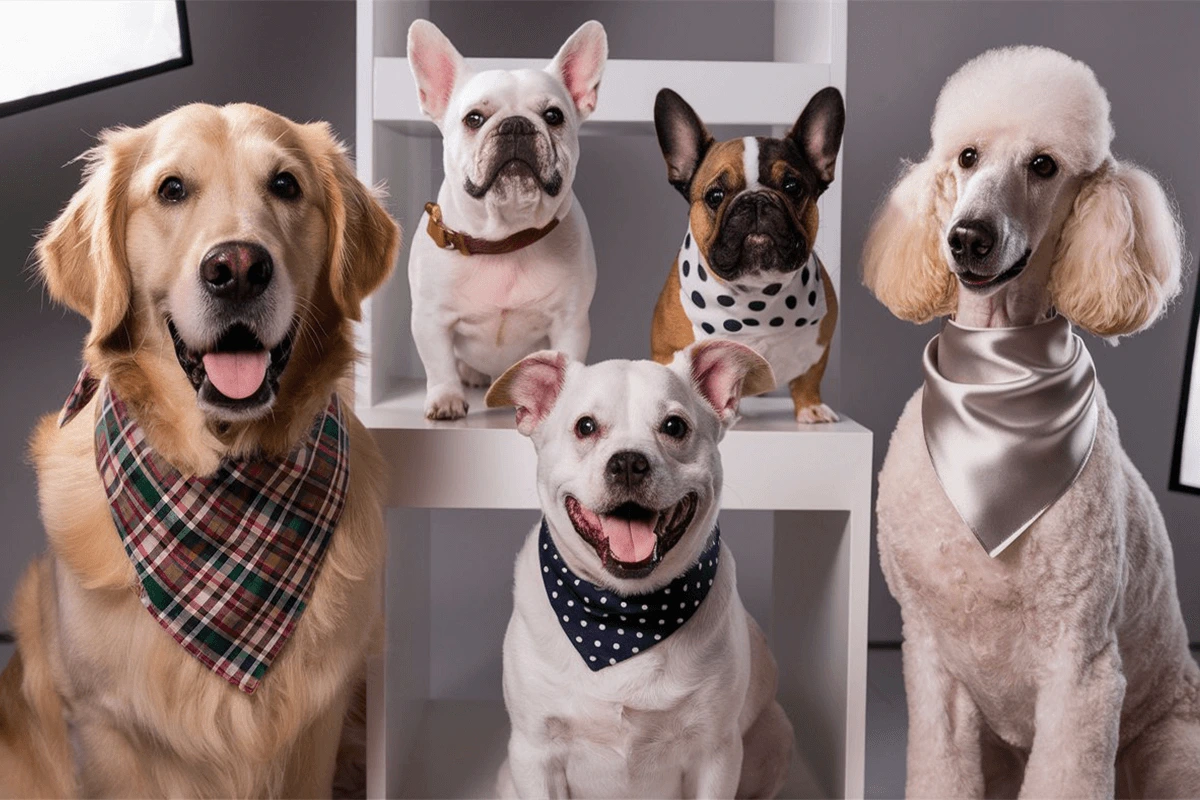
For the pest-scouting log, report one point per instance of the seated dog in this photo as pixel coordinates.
(212, 506)
(631, 668)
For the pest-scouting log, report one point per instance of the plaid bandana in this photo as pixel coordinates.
(226, 562)
(606, 628)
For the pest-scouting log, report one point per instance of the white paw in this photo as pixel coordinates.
(816, 414)
(472, 377)
(444, 404)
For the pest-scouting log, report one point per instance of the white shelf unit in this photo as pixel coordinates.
(814, 480)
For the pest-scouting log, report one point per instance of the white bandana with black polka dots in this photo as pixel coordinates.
(717, 308)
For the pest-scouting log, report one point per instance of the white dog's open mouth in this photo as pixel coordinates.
(631, 540)
(974, 280)
(238, 373)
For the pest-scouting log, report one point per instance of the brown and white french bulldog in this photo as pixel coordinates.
(747, 270)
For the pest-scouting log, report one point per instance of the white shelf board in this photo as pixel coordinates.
(722, 92)
(771, 462)
(461, 744)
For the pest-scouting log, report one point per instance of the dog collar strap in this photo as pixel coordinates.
(606, 628)
(227, 562)
(719, 308)
(1010, 420)
(449, 239)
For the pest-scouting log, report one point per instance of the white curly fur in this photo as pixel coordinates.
(1061, 667)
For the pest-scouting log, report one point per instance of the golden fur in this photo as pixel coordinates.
(147, 718)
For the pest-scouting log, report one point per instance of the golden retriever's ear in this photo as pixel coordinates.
(1120, 257)
(903, 261)
(363, 239)
(81, 256)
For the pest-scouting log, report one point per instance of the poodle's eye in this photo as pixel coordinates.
(585, 427)
(285, 186)
(474, 120)
(172, 190)
(553, 116)
(791, 186)
(967, 158)
(1043, 166)
(714, 197)
(674, 426)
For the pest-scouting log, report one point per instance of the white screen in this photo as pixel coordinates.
(47, 46)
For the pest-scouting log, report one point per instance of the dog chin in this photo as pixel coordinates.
(237, 378)
(985, 284)
(759, 261)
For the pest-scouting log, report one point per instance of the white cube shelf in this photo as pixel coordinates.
(815, 479)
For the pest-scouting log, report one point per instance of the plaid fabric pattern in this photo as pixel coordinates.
(226, 562)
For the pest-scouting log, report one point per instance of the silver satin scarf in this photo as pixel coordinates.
(1010, 420)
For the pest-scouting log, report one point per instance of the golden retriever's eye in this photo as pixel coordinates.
(675, 426)
(714, 197)
(967, 158)
(285, 186)
(1043, 166)
(553, 116)
(172, 190)
(474, 120)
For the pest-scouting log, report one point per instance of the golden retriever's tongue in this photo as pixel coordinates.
(630, 541)
(236, 375)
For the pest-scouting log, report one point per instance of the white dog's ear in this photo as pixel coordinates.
(818, 131)
(683, 138)
(903, 260)
(1120, 257)
(580, 63)
(724, 372)
(437, 67)
(532, 385)
(81, 256)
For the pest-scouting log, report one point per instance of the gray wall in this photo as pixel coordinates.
(1145, 55)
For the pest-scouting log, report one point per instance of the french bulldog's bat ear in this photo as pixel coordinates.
(532, 385)
(818, 131)
(437, 67)
(683, 138)
(580, 63)
(724, 372)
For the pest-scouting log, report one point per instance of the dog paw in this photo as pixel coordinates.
(472, 377)
(816, 414)
(445, 405)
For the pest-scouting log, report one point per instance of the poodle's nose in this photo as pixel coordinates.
(970, 241)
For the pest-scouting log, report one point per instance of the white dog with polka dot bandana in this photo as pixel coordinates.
(747, 270)
(631, 668)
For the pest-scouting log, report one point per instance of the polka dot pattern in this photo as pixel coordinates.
(717, 308)
(606, 628)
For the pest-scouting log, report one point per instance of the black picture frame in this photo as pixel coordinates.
(1176, 484)
(67, 92)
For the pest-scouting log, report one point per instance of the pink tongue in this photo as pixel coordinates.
(630, 542)
(236, 375)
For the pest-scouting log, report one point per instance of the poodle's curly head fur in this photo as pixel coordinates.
(1105, 227)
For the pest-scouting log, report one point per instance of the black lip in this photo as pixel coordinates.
(975, 282)
(673, 522)
(236, 338)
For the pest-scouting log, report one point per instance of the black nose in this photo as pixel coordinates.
(628, 468)
(516, 126)
(970, 241)
(237, 271)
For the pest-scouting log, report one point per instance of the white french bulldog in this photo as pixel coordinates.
(503, 265)
(631, 667)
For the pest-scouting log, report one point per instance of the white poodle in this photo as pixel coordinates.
(1053, 659)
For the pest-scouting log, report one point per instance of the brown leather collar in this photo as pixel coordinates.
(450, 239)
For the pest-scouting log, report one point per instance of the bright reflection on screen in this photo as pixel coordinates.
(48, 46)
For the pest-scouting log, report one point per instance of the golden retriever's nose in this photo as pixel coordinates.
(237, 271)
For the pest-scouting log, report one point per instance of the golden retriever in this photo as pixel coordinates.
(99, 699)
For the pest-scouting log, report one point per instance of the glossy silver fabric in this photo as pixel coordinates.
(1010, 419)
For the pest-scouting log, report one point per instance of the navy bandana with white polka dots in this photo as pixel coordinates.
(722, 309)
(606, 628)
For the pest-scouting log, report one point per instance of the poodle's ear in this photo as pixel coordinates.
(903, 261)
(532, 385)
(1120, 257)
(363, 238)
(81, 256)
(683, 138)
